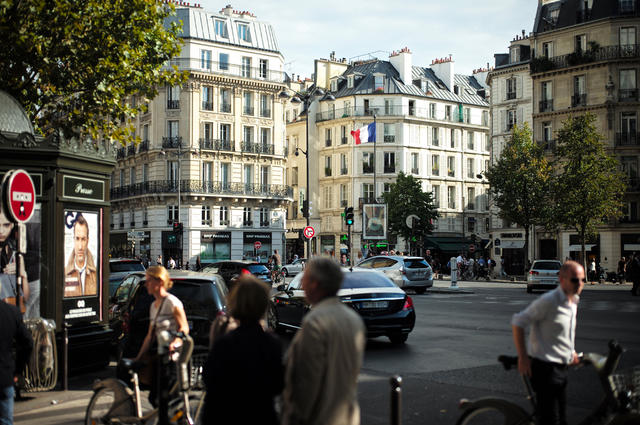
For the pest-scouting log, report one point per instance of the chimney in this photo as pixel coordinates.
(228, 10)
(443, 68)
(401, 61)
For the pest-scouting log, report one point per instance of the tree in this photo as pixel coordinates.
(588, 185)
(520, 182)
(405, 197)
(74, 64)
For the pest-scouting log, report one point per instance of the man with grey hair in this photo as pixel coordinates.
(325, 356)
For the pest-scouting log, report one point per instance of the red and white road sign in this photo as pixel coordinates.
(472, 248)
(309, 232)
(20, 195)
(257, 244)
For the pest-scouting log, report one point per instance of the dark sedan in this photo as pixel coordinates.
(386, 309)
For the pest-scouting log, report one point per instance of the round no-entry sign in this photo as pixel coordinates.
(19, 195)
(472, 248)
(309, 232)
(257, 244)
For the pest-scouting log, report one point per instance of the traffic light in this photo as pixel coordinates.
(348, 216)
(177, 227)
(305, 208)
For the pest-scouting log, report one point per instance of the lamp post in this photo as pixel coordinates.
(306, 99)
(179, 155)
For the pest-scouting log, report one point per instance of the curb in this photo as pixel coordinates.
(435, 290)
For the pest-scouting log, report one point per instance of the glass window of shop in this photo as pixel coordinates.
(248, 247)
(215, 246)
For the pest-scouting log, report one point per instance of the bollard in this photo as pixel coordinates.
(396, 405)
(65, 356)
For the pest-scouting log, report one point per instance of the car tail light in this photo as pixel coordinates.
(534, 273)
(403, 271)
(408, 303)
(245, 271)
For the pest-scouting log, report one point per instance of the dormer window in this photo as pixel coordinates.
(334, 85)
(244, 32)
(220, 27)
(424, 85)
(378, 83)
(350, 81)
(514, 54)
(456, 90)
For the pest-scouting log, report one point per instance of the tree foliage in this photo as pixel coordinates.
(589, 185)
(404, 198)
(520, 181)
(73, 64)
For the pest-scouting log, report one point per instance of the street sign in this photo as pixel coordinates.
(19, 195)
(309, 232)
(409, 220)
(472, 248)
(135, 234)
(257, 244)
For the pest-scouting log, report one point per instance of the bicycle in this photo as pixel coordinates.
(278, 276)
(113, 402)
(620, 405)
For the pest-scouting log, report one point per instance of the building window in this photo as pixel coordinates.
(547, 49)
(225, 100)
(511, 88)
(328, 197)
(173, 97)
(132, 176)
(453, 138)
(225, 132)
(435, 165)
(435, 132)
(327, 166)
(205, 216)
(388, 107)
(207, 173)
(412, 107)
(471, 198)
(263, 68)
(207, 98)
(145, 173)
(223, 61)
(579, 91)
(627, 41)
(378, 83)
(367, 162)
(513, 54)
(389, 162)
(225, 175)
(470, 168)
(447, 112)
(367, 192)
(246, 67)
(247, 134)
(172, 172)
(626, 6)
(327, 137)
(547, 134)
(350, 81)
(414, 163)
(172, 214)
(367, 111)
(628, 129)
(246, 217)
(344, 170)
(432, 110)
(264, 217)
(264, 175)
(265, 136)
(244, 32)
(581, 43)
(435, 193)
(485, 118)
(628, 86)
(451, 166)
(224, 216)
(247, 103)
(511, 119)
(389, 133)
(470, 144)
(265, 105)
(467, 115)
(343, 135)
(451, 197)
(343, 195)
(205, 59)
(471, 224)
(546, 104)
(221, 28)
(334, 85)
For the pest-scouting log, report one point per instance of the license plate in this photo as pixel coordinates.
(374, 304)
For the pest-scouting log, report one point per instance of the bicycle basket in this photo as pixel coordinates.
(626, 387)
(197, 366)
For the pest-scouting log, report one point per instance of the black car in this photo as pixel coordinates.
(386, 309)
(202, 294)
(119, 268)
(234, 268)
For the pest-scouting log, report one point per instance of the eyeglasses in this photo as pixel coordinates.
(575, 280)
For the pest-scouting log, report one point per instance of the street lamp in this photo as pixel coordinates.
(306, 99)
(179, 155)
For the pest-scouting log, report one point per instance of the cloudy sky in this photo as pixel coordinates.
(470, 30)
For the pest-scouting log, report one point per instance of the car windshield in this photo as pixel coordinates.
(126, 266)
(258, 269)
(416, 264)
(355, 280)
(546, 265)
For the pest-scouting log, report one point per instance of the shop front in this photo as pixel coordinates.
(170, 247)
(328, 245)
(629, 243)
(215, 246)
(250, 248)
(119, 246)
(294, 240)
(592, 249)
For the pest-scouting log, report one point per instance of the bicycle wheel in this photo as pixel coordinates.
(491, 415)
(104, 406)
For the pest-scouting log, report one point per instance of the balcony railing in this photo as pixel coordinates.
(628, 95)
(202, 187)
(511, 95)
(579, 100)
(344, 171)
(546, 105)
(343, 203)
(367, 168)
(265, 113)
(327, 171)
(264, 224)
(389, 168)
(627, 139)
(172, 142)
(549, 145)
(389, 111)
(344, 140)
(435, 171)
(207, 105)
(247, 223)
(605, 53)
(225, 107)
(144, 146)
(327, 142)
(366, 200)
(248, 110)
(173, 104)
(121, 153)
(389, 138)
(415, 171)
(225, 68)
(216, 145)
(131, 149)
(259, 148)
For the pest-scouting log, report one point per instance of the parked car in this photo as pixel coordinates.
(294, 267)
(406, 272)
(119, 268)
(544, 274)
(385, 308)
(202, 294)
(231, 269)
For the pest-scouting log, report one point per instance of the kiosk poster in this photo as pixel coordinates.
(82, 273)
(374, 221)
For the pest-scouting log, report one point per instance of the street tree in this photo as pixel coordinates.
(74, 65)
(589, 185)
(404, 198)
(520, 181)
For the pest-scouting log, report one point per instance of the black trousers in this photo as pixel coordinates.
(635, 290)
(549, 381)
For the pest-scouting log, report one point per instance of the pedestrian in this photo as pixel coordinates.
(503, 267)
(172, 263)
(198, 263)
(12, 332)
(552, 322)
(622, 270)
(244, 367)
(159, 260)
(186, 266)
(592, 271)
(325, 355)
(634, 274)
(428, 257)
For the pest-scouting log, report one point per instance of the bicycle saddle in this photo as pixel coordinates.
(131, 364)
(508, 361)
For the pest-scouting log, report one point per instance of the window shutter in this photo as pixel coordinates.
(519, 87)
(503, 120)
(520, 116)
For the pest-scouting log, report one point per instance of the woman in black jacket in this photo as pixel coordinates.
(244, 371)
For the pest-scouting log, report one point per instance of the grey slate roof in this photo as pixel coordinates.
(364, 83)
(571, 12)
(199, 24)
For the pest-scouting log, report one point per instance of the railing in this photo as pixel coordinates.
(216, 145)
(389, 169)
(628, 95)
(546, 105)
(367, 169)
(121, 153)
(511, 95)
(344, 171)
(173, 142)
(144, 146)
(435, 171)
(327, 142)
(389, 111)
(606, 53)
(549, 145)
(366, 200)
(451, 173)
(344, 140)
(327, 172)
(415, 171)
(207, 106)
(579, 100)
(248, 110)
(264, 224)
(389, 138)
(265, 113)
(202, 187)
(343, 203)
(173, 104)
(225, 68)
(131, 149)
(627, 139)
(471, 206)
(247, 223)
(225, 107)
(259, 148)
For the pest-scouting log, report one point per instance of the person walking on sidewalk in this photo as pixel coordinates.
(12, 331)
(552, 322)
(634, 273)
(325, 356)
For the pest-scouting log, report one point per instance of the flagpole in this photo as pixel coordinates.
(375, 159)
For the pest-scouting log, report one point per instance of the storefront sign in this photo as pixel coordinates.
(217, 236)
(251, 237)
(511, 235)
(82, 188)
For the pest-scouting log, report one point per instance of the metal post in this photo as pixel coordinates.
(396, 400)
(349, 244)
(307, 105)
(65, 356)
(179, 184)
(162, 388)
(375, 159)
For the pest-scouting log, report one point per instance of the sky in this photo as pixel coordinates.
(470, 30)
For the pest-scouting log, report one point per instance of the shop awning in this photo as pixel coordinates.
(512, 244)
(448, 244)
(631, 247)
(587, 247)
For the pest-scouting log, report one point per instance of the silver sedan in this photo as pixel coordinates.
(294, 267)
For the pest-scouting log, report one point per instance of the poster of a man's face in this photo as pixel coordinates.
(81, 272)
(375, 221)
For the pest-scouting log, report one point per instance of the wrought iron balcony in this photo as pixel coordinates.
(367, 168)
(344, 140)
(144, 146)
(121, 153)
(344, 171)
(388, 111)
(627, 139)
(628, 95)
(216, 145)
(511, 95)
(327, 171)
(226, 108)
(579, 100)
(264, 224)
(202, 187)
(258, 148)
(248, 110)
(327, 142)
(226, 68)
(546, 105)
(366, 200)
(131, 149)
(265, 112)
(173, 104)
(207, 106)
(247, 223)
(598, 54)
(173, 142)
(389, 168)
(389, 138)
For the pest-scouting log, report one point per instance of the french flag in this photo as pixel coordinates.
(365, 134)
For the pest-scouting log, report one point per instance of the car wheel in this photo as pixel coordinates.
(420, 291)
(285, 273)
(272, 319)
(398, 339)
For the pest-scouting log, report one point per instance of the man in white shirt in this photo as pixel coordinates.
(80, 271)
(552, 322)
